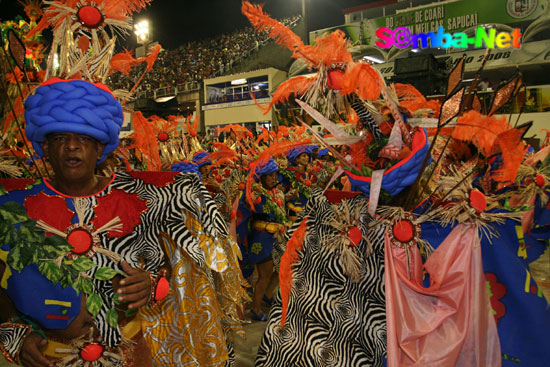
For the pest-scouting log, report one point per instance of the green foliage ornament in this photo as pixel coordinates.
(29, 245)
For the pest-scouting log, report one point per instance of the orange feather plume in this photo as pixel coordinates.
(278, 32)
(123, 62)
(413, 100)
(333, 48)
(192, 128)
(222, 156)
(289, 258)
(512, 148)
(296, 86)
(480, 130)
(362, 79)
(493, 135)
(145, 141)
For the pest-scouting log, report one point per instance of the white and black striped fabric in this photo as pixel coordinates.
(331, 320)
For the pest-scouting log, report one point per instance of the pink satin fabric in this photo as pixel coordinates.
(451, 322)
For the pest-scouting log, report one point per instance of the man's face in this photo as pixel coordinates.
(270, 180)
(204, 171)
(73, 157)
(302, 159)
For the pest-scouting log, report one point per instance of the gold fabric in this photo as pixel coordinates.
(191, 326)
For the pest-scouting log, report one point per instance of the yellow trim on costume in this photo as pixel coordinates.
(269, 227)
(7, 272)
(130, 330)
(54, 302)
(296, 209)
(522, 249)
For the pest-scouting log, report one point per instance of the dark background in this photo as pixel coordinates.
(175, 22)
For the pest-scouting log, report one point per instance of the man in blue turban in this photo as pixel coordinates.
(96, 257)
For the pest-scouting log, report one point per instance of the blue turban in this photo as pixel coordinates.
(269, 167)
(74, 106)
(199, 159)
(295, 152)
(186, 166)
(322, 152)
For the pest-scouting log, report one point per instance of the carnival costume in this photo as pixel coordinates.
(401, 274)
(294, 179)
(162, 222)
(258, 228)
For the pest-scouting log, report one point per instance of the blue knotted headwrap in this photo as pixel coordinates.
(186, 166)
(199, 159)
(74, 106)
(322, 152)
(269, 167)
(295, 152)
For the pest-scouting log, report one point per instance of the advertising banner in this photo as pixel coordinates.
(454, 17)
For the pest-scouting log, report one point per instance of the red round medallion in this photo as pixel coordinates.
(163, 287)
(539, 180)
(241, 186)
(81, 240)
(403, 231)
(91, 352)
(89, 16)
(354, 235)
(335, 79)
(163, 136)
(478, 201)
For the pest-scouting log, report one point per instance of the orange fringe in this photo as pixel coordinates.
(290, 256)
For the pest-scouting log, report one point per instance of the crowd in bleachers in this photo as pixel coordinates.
(195, 61)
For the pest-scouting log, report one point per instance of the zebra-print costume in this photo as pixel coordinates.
(11, 340)
(331, 320)
(365, 117)
(166, 199)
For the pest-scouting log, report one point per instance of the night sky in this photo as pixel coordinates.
(175, 22)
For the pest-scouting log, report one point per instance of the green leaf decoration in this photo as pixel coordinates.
(69, 277)
(51, 252)
(50, 270)
(59, 243)
(112, 318)
(83, 263)
(29, 232)
(93, 304)
(105, 273)
(21, 255)
(86, 285)
(8, 233)
(116, 299)
(13, 212)
(2, 190)
(130, 312)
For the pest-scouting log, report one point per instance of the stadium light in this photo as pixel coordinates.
(141, 30)
(238, 81)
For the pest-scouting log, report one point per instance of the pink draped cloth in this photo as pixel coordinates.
(450, 323)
